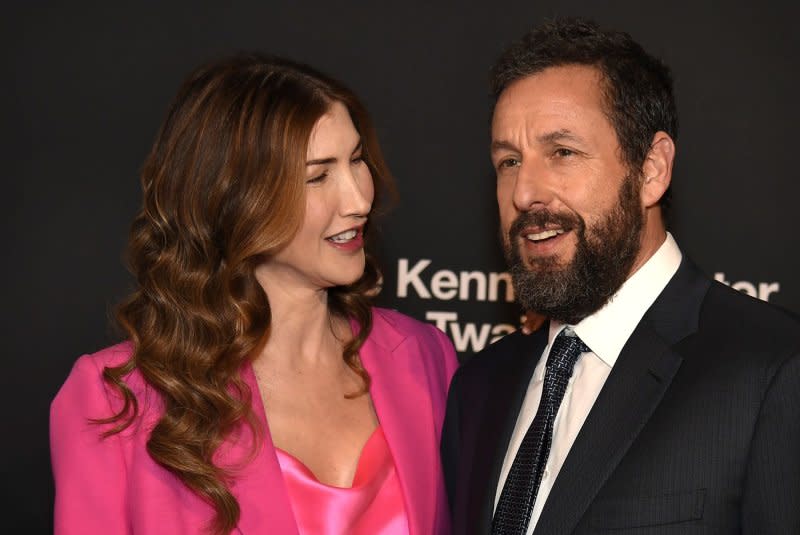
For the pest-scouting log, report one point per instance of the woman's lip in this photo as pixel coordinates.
(354, 244)
(358, 228)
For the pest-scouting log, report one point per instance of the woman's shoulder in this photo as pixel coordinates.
(86, 385)
(420, 348)
(92, 365)
(389, 318)
(402, 326)
(108, 357)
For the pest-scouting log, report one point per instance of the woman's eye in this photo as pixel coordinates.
(357, 159)
(317, 179)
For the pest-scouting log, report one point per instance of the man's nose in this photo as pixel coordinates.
(533, 187)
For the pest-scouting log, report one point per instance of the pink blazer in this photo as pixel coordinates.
(112, 486)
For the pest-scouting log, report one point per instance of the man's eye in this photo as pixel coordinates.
(508, 162)
(562, 152)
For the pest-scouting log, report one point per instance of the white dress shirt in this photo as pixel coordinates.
(605, 332)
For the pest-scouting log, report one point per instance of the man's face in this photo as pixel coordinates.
(570, 210)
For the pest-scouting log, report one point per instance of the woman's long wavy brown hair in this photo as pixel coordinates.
(223, 188)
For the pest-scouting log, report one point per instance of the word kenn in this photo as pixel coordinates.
(445, 284)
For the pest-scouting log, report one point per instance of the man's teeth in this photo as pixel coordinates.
(347, 235)
(544, 234)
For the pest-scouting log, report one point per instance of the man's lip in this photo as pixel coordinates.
(537, 229)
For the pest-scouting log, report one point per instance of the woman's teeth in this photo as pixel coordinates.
(342, 237)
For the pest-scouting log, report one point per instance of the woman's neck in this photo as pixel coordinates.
(303, 333)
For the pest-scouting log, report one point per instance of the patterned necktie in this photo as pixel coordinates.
(515, 506)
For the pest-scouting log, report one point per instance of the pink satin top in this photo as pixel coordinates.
(372, 506)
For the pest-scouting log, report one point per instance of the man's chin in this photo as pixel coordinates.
(555, 252)
(553, 263)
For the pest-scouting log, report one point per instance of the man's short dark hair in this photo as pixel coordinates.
(638, 86)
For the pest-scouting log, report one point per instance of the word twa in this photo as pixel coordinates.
(468, 336)
(445, 284)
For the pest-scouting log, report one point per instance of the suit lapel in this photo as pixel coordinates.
(402, 402)
(632, 391)
(507, 391)
(643, 372)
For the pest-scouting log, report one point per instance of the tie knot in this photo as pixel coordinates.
(566, 349)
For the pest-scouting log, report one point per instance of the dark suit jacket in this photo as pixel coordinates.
(696, 430)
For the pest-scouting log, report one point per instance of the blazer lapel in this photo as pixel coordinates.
(507, 392)
(402, 402)
(636, 385)
(259, 486)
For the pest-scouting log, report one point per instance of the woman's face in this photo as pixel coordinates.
(328, 250)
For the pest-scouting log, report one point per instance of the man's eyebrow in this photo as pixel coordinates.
(502, 145)
(548, 138)
(324, 161)
(558, 135)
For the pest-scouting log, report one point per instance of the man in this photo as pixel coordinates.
(656, 400)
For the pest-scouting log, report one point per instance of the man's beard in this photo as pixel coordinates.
(603, 258)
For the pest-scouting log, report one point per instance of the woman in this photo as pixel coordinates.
(258, 392)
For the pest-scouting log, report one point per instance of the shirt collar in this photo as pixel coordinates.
(607, 330)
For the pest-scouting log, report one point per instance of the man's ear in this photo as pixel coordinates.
(657, 169)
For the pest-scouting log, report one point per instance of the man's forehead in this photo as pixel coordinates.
(579, 71)
(557, 83)
(552, 102)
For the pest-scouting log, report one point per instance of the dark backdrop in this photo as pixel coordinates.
(85, 88)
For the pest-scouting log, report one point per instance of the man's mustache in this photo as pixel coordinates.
(543, 218)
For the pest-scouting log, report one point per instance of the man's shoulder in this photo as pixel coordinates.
(503, 354)
(744, 316)
(746, 332)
